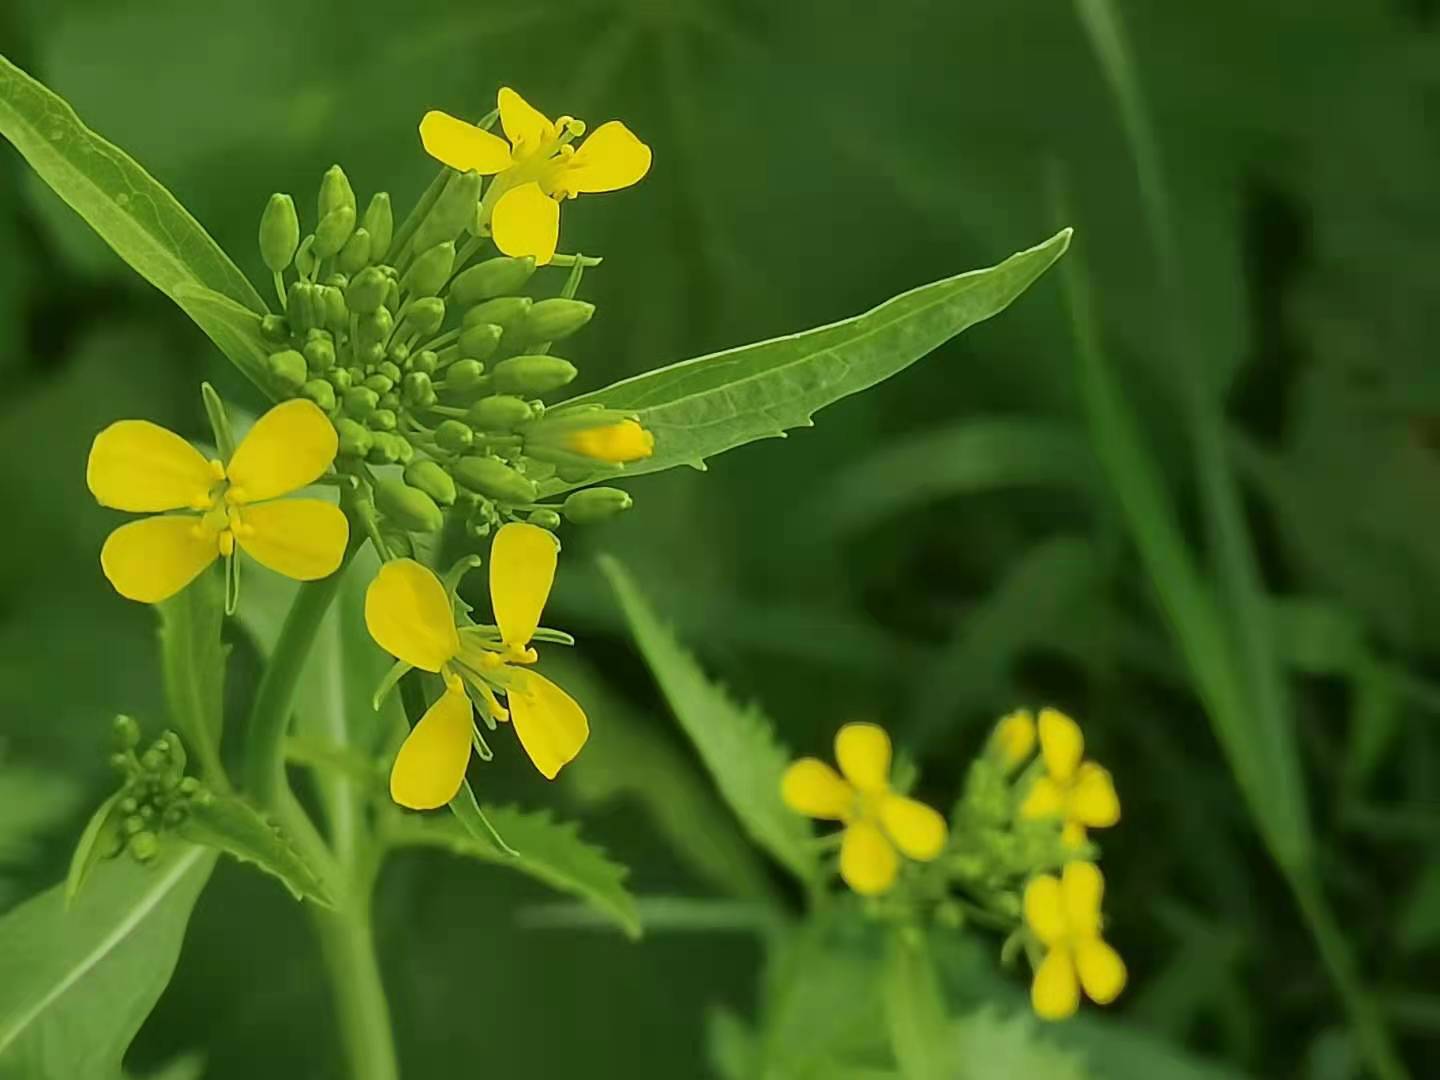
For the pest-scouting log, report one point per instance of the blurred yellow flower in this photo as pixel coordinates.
(538, 167)
(141, 467)
(1014, 738)
(1079, 793)
(877, 821)
(410, 615)
(616, 443)
(1064, 913)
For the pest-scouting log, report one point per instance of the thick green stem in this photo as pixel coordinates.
(348, 946)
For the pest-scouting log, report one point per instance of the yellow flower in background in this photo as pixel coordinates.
(616, 443)
(1079, 793)
(1013, 739)
(1064, 913)
(877, 821)
(141, 467)
(410, 615)
(538, 167)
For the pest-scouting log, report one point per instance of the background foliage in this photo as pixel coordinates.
(932, 553)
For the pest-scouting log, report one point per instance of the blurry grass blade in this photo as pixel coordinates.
(80, 981)
(192, 659)
(736, 744)
(915, 1011)
(232, 825)
(702, 407)
(548, 850)
(133, 213)
(661, 914)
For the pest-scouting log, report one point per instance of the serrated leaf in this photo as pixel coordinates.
(548, 851)
(193, 659)
(702, 407)
(230, 824)
(79, 981)
(736, 743)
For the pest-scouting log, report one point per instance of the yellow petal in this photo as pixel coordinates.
(303, 539)
(409, 615)
(1014, 737)
(1072, 835)
(523, 123)
(522, 569)
(1045, 909)
(863, 751)
(290, 446)
(868, 862)
(1084, 887)
(1055, 993)
(812, 788)
(431, 764)
(153, 559)
(615, 443)
(610, 159)
(526, 221)
(551, 725)
(918, 830)
(139, 466)
(1093, 800)
(1044, 799)
(463, 146)
(1061, 743)
(1102, 972)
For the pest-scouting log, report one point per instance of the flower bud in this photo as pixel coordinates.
(595, 504)
(551, 320)
(380, 224)
(360, 402)
(320, 392)
(416, 390)
(532, 375)
(480, 341)
(320, 354)
(384, 448)
(301, 309)
(339, 378)
(337, 279)
(305, 258)
(143, 846)
(332, 301)
(504, 311)
(383, 419)
(501, 276)
(274, 328)
(425, 360)
(126, 732)
(425, 315)
(615, 443)
(430, 478)
(430, 270)
(454, 436)
(1013, 740)
(464, 376)
(399, 353)
(335, 192)
(392, 295)
(545, 518)
(333, 231)
(493, 478)
(355, 255)
(408, 507)
(375, 328)
(381, 384)
(503, 412)
(287, 368)
(390, 401)
(366, 291)
(453, 211)
(279, 232)
(390, 370)
(354, 438)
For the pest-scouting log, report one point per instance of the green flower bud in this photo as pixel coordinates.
(366, 291)
(376, 327)
(274, 328)
(453, 211)
(355, 439)
(595, 504)
(408, 507)
(430, 270)
(339, 378)
(492, 477)
(333, 231)
(384, 448)
(546, 519)
(425, 315)
(480, 341)
(128, 805)
(430, 478)
(551, 320)
(279, 232)
(392, 295)
(502, 412)
(383, 420)
(531, 375)
(380, 224)
(426, 360)
(464, 375)
(404, 450)
(335, 191)
(126, 732)
(320, 392)
(381, 384)
(390, 370)
(144, 846)
(454, 436)
(399, 354)
(338, 280)
(360, 402)
(288, 369)
(147, 813)
(174, 815)
(132, 824)
(336, 314)
(502, 276)
(504, 311)
(371, 354)
(301, 309)
(320, 354)
(416, 390)
(305, 258)
(390, 401)
(355, 255)
(189, 786)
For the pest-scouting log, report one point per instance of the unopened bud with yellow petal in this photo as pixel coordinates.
(1013, 740)
(615, 443)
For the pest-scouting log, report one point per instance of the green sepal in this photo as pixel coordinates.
(504, 275)
(408, 507)
(589, 505)
(452, 212)
(279, 232)
(335, 192)
(532, 375)
(429, 477)
(554, 319)
(334, 231)
(431, 269)
(102, 839)
(502, 412)
(219, 421)
(379, 222)
(504, 311)
(355, 255)
(494, 479)
(480, 340)
(388, 683)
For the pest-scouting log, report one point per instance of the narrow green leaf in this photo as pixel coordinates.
(736, 744)
(915, 1011)
(473, 819)
(230, 824)
(234, 329)
(192, 659)
(79, 981)
(702, 407)
(100, 840)
(549, 851)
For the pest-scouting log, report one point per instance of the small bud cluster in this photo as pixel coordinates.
(424, 362)
(156, 794)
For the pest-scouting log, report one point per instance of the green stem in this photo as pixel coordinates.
(347, 944)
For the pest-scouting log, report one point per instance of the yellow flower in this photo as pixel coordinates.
(141, 467)
(1064, 914)
(615, 443)
(538, 167)
(877, 821)
(1080, 793)
(1014, 738)
(411, 616)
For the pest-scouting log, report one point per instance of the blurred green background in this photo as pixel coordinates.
(933, 553)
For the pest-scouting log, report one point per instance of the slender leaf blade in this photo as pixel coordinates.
(230, 824)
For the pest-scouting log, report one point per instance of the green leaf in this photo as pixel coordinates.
(230, 824)
(702, 407)
(736, 744)
(233, 327)
(79, 981)
(100, 840)
(915, 1011)
(549, 851)
(988, 1044)
(193, 657)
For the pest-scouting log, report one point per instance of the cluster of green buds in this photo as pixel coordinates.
(425, 361)
(155, 793)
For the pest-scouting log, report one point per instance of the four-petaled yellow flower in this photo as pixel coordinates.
(1080, 793)
(877, 821)
(538, 168)
(616, 443)
(1064, 914)
(141, 467)
(411, 616)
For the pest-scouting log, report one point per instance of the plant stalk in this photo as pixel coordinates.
(362, 1015)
